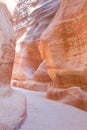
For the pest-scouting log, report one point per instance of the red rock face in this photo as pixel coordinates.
(31, 19)
(41, 74)
(12, 103)
(64, 48)
(7, 46)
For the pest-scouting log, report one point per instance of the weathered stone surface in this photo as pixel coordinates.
(7, 46)
(12, 103)
(41, 74)
(26, 61)
(39, 82)
(34, 17)
(73, 96)
(31, 18)
(64, 48)
(31, 85)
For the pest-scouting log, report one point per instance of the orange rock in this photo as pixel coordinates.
(7, 46)
(31, 18)
(63, 47)
(26, 61)
(41, 74)
(73, 96)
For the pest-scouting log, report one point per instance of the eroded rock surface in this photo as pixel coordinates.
(12, 103)
(41, 74)
(64, 48)
(31, 18)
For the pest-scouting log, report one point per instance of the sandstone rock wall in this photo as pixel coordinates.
(62, 52)
(31, 18)
(7, 46)
(64, 48)
(12, 103)
(41, 74)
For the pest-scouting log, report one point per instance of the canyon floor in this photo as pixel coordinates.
(44, 114)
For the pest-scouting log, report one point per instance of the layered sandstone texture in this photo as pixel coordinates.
(63, 46)
(31, 18)
(12, 103)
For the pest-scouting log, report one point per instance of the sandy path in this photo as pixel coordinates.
(44, 114)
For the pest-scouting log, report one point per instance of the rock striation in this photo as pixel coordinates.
(63, 46)
(41, 74)
(12, 103)
(31, 18)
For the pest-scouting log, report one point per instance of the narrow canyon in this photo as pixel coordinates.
(43, 64)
